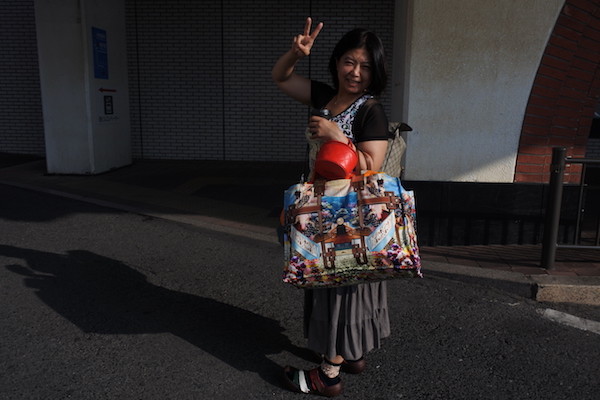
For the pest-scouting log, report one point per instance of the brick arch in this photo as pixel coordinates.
(564, 95)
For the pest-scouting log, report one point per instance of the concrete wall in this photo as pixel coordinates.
(470, 68)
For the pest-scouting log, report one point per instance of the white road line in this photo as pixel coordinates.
(571, 320)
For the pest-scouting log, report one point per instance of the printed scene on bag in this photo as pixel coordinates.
(350, 232)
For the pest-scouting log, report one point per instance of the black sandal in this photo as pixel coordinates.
(310, 382)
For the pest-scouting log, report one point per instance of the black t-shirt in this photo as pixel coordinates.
(370, 122)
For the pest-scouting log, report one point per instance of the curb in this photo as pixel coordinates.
(541, 288)
(576, 290)
(201, 221)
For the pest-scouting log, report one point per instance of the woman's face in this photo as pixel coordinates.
(354, 71)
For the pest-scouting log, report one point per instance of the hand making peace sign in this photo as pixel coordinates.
(303, 43)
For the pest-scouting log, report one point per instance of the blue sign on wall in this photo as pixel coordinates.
(100, 53)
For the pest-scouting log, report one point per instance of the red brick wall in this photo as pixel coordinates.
(564, 94)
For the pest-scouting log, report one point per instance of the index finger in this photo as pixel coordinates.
(317, 30)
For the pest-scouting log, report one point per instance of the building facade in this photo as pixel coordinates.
(489, 87)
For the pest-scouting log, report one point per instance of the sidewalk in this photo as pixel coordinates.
(210, 194)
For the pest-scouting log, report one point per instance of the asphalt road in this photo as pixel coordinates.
(101, 304)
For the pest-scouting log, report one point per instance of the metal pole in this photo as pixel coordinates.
(552, 222)
(580, 206)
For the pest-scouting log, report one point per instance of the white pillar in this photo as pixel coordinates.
(83, 76)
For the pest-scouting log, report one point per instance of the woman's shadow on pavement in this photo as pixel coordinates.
(105, 296)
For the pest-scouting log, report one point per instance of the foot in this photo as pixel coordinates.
(312, 382)
(354, 367)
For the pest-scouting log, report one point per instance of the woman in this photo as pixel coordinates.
(342, 324)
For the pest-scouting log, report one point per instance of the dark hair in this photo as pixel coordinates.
(356, 39)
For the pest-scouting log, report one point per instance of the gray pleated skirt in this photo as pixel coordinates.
(348, 321)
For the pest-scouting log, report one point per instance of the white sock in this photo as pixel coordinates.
(329, 369)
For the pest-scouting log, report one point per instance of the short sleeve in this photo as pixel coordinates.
(371, 123)
(320, 94)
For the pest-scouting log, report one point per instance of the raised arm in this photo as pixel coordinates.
(290, 83)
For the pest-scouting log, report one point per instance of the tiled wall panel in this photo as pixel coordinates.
(199, 75)
(21, 122)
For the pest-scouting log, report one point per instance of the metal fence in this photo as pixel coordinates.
(553, 209)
